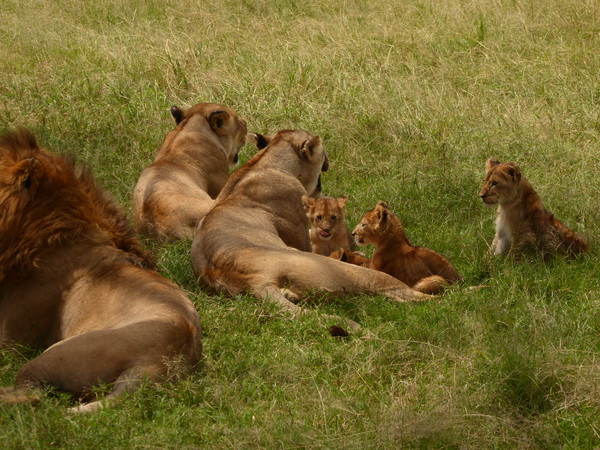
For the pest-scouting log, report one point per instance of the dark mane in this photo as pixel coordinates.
(67, 205)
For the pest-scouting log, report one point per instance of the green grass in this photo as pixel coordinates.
(411, 98)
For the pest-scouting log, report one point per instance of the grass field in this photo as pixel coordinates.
(410, 98)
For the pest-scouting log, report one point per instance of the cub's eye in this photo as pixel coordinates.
(333, 217)
(362, 225)
(494, 183)
(319, 217)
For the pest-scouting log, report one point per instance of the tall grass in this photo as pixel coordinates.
(411, 98)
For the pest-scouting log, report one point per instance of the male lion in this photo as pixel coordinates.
(255, 238)
(189, 170)
(75, 280)
(522, 223)
(419, 267)
(328, 231)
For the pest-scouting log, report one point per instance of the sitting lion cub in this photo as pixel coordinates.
(189, 170)
(420, 268)
(522, 223)
(328, 230)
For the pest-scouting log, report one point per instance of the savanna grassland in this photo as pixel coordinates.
(410, 98)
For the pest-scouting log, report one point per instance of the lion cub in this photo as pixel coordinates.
(420, 268)
(522, 223)
(328, 230)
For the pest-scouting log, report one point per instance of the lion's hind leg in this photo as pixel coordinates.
(286, 299)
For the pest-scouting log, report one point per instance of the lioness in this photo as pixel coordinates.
(522, 223)
(75, 280)
(189, 170)
(255, 238)
(328, 231)
(419, 267)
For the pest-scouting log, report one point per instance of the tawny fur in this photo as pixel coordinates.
(523, 224)
(328, 230)
(75, 280)
(190, 168)
(419, 267)
(350, 257)
(255, 239)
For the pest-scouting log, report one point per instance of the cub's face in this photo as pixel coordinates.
(326, 214)
(370, 227)
(367, 229)
(501, 183)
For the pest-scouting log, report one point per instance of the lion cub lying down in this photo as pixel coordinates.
(255, 238)
(74, 280)
(421, 268)
(328, 230)
(522, 223)
(189, 170)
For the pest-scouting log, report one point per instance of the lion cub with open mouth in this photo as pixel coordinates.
(328, 231)
(523, 223)
(190, 169)
(420, 268)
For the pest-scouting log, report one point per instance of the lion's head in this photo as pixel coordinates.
(231, 130)
(326, 214)
(372, 225)
(46, 200)
(501, 182)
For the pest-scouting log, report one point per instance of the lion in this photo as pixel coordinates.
(522, 223)
(420, 268)
(255, 238)
(350, 257)
(190, 168)
(75, 280)
(328, 230)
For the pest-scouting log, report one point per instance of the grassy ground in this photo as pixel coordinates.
(411, 98)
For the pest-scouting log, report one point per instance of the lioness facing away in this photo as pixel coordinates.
(522, 223)
(75, 281)
(255, 238)
(328, 231)
(190, 168)
(421, 268)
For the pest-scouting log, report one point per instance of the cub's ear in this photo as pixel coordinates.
(260, 140)
(341, 201)
(491, 163)
(221, 122)
(308, 202)
(177, 114)
(310, 147)
(513, 170)
(27, 174)
(381, 212)
(343, 255)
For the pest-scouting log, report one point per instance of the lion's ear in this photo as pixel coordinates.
(260, 140)
(308, 202)
(221, 122)
(381, 212)
(27, 174)
(341, 201)
(177, 114)
(491, 163)
(343, 255)
(514, 171)
(310, 147)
